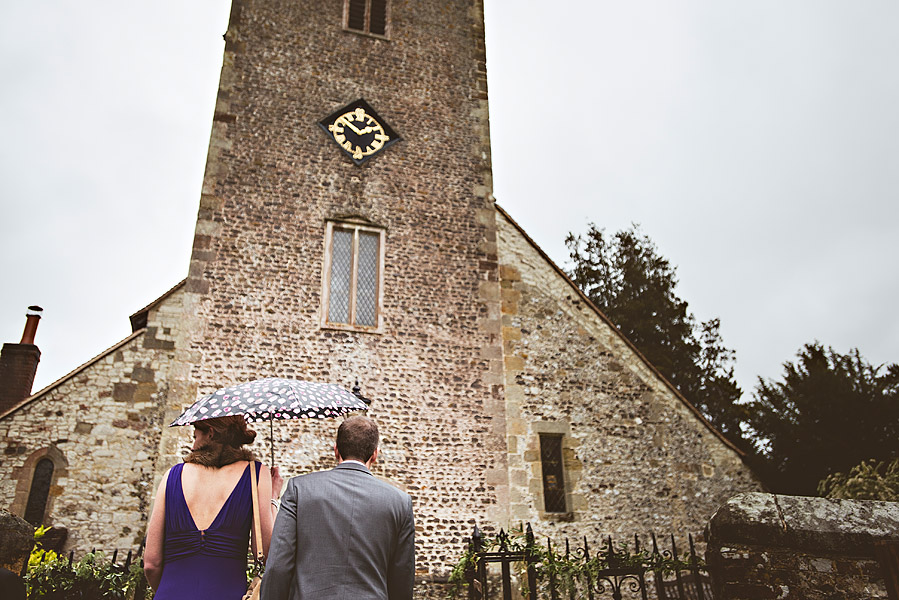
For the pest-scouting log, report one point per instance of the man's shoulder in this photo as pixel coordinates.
(311, 476)
(389, 488)
(363, 477)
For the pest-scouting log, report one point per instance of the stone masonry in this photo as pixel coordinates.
(100, 425)
(637, 456)
(763, 546)
(272, 182)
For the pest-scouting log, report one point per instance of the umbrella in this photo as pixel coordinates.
(275, 398)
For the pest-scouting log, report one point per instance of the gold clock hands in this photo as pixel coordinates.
(371, 128)
(350, 125)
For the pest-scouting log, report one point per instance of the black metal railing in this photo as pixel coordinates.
(583, 572)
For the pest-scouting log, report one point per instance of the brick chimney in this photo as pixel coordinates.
(18, 363)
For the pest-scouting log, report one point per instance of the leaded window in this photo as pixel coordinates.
(40, 492)
(366, 16)
(353, 276)
(553, 473)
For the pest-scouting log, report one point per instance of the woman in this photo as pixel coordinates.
(202, 516)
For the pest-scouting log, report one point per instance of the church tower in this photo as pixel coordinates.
(346, 231)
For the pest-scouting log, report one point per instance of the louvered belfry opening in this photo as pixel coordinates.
(377, 21)
(367, 16)
(356, 15)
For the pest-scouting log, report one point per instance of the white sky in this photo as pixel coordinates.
(757, 143)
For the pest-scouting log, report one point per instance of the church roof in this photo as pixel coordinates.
(615, 329)
(72, 374)
(139, 319)
(138, 326)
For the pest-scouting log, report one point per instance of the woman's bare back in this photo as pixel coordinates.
(206, 489)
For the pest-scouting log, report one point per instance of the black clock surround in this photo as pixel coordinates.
(358, 131)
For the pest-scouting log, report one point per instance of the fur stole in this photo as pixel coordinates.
(217, 456)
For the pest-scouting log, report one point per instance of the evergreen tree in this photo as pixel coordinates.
(869, 480)
(828, 414)
(633, 285)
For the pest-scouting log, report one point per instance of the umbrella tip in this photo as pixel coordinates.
(357, 391)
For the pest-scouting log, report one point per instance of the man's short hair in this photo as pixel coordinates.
(357, 438)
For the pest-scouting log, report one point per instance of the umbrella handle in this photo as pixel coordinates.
(271, 439)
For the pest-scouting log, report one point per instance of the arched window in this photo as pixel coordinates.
(40, 492)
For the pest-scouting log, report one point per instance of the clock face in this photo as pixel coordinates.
(359, 131)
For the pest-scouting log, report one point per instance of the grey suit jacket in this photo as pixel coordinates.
(341, 535)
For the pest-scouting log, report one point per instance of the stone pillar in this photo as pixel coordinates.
(16, 541)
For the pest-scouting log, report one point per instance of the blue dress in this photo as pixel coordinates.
(210, 564)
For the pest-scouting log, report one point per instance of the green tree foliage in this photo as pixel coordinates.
(633, 285)
(868, 480)
(828, 414)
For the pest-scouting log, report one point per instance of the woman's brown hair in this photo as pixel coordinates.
(227, 436)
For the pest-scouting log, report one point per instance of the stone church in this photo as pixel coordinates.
(347, 231)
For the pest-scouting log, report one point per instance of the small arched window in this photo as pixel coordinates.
(40, 492)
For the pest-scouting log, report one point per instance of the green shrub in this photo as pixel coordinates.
(51, 577)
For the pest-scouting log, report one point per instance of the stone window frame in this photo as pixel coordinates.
(357, 224)
(24, 476)
(570, 469)
(367, 25)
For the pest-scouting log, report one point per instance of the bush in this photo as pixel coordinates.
(52, 577)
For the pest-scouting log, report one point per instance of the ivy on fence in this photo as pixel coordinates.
(550, 568)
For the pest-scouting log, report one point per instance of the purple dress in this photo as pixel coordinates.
(210, 564)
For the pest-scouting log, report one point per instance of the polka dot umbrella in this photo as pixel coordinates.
(275, 398)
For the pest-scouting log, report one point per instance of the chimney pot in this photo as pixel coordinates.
(31, 320)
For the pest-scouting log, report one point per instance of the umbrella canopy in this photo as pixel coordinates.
(274, 398)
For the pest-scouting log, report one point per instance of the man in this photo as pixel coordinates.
(342, 534)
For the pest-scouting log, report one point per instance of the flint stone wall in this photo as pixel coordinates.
(763, 546)
(274, 178)
(100, 425)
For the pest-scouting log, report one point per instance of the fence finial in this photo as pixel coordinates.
(476, 539)
(503, 540)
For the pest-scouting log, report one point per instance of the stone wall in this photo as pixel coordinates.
(100, 426)
(762, 546)
(637, 457)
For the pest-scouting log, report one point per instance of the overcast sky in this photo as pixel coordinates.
(757, 143)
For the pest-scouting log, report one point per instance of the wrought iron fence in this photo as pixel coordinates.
(583, 572)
